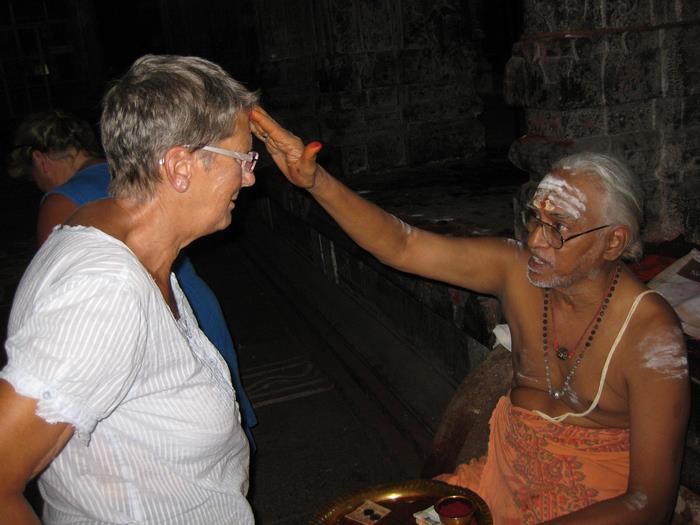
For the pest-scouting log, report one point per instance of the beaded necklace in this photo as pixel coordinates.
(563, 353)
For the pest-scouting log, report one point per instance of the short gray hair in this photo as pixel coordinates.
(624, 197)
(161, 102)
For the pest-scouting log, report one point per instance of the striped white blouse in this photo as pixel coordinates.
(158, 436)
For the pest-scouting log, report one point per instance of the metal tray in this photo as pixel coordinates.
(403, 499)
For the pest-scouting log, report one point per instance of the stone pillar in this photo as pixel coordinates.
(382, 84)
(617, 76)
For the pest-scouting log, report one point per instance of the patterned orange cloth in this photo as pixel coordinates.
(536, 470)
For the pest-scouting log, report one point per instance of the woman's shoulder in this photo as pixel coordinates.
(78, 251)
(87, 185)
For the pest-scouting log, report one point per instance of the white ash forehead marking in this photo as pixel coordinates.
(665, 355)
(554, 192)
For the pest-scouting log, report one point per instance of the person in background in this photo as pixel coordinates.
(61, 154)
(592, 429)
(112, 393)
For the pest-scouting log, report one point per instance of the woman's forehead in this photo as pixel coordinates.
(240, 129)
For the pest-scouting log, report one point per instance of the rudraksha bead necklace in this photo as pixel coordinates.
(563, 353)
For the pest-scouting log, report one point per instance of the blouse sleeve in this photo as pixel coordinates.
(77, 350)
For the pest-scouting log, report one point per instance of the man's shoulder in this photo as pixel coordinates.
(654, 335)
(651, 312)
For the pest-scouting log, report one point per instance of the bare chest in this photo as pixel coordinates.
(563, 374)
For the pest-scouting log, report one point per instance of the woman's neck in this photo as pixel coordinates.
(84, 160)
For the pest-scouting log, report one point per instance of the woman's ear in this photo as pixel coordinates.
(176, 168)
(617, 240)
(39, 159)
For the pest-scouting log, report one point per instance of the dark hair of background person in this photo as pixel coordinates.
(53, 132)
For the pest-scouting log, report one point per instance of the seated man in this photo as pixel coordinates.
(593, 427)
(61, 154)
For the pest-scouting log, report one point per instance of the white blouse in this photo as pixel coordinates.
(157, 428)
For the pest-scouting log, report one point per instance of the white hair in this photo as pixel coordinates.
(624, 198)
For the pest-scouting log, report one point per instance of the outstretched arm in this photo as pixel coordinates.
(480, 264)
(54, 210)
(27, 446)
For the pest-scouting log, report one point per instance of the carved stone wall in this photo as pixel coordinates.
(620, 76)
(382, 84)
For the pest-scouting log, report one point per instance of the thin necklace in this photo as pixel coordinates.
(597, 319)
(562, 352)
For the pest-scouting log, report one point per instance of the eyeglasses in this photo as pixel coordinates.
(552, 236)
(248, 160)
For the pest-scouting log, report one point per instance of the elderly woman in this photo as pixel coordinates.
(61, 154)
(111, 390)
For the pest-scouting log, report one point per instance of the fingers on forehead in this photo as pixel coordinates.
(257, 129)
(262, 116)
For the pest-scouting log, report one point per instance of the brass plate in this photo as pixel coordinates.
(403, 499)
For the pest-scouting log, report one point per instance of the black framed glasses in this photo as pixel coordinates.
(552, 236)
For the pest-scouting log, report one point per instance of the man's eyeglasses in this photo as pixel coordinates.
(247, 160)
(552, 236)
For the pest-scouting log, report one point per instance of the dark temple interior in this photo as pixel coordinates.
(444, 113)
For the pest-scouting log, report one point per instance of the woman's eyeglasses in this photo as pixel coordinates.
(247, 160)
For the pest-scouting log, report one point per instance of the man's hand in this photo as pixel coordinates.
(480, 264)
(296, 161)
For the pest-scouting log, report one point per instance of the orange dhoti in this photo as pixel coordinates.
(536, 470)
